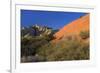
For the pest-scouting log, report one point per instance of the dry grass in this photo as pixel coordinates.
(65, 50)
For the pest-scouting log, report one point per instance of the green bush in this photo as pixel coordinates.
(65, 50)
(29, 45)
(84, 34)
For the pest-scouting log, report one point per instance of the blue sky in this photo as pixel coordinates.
(53, 19)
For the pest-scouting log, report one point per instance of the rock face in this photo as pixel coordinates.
(36, 30)
(73, 28)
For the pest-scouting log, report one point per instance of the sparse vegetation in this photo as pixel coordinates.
(84, 34)
(31, 42)
(65, 50)
(35, 48)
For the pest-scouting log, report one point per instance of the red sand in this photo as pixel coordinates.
(74, 27)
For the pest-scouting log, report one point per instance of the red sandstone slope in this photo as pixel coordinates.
(74, 27)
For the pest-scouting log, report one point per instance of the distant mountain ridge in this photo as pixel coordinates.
(36, 30)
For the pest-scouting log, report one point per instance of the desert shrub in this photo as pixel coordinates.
(33, 39)
(84, 34)
(39, 48)
(30, 45)
(65, 50)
